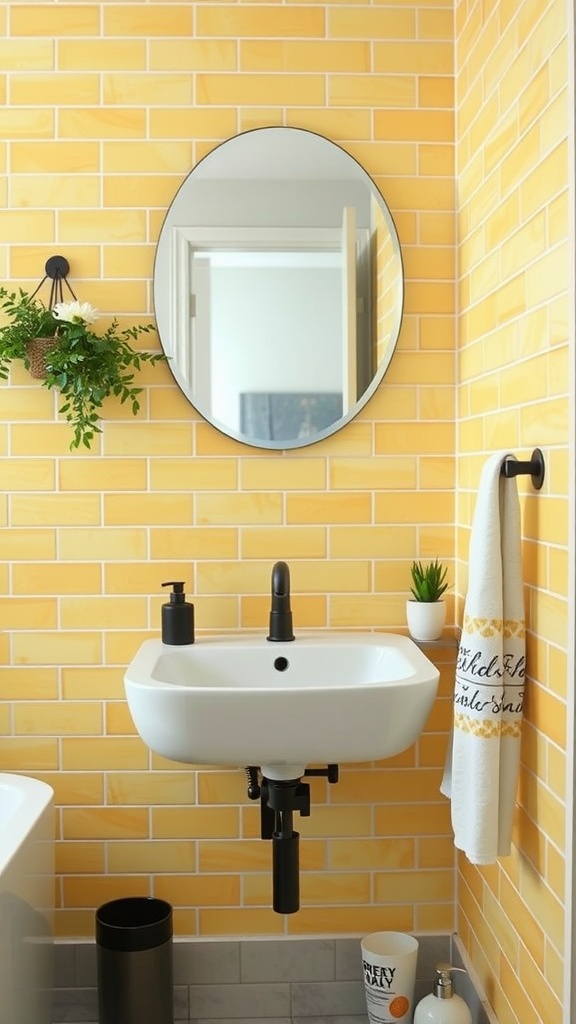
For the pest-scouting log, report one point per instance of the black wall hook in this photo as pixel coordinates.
(535, 468)
(56, 268)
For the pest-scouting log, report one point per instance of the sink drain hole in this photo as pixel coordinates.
(281, 664)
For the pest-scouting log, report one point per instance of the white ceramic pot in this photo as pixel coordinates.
(426, 619)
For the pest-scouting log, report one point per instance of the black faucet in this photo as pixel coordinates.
(280, 612)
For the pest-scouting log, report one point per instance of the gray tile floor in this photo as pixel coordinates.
(276, 981)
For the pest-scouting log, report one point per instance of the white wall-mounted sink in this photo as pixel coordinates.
(240, 699)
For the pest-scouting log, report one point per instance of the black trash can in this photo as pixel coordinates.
(134, 961)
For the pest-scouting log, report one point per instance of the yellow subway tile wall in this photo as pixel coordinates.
(513, 109)
(110, 106)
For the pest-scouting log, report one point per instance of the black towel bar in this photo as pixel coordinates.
(534, 468)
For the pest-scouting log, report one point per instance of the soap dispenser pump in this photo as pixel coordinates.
(177, 616)
(443, 1005)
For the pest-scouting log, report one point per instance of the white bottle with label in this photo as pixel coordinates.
(443, 1005)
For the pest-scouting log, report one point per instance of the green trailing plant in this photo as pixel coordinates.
(85, 367)
(428, 581)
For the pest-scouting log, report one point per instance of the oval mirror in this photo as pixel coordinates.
(278, 287)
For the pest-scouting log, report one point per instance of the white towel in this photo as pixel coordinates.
(481, 771)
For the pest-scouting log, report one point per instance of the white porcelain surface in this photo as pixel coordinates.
(26, 899)
(426, 619)
(324, 697)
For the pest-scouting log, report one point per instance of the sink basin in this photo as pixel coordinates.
(242, 700)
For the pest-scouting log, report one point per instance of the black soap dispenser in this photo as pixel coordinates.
(177, 617)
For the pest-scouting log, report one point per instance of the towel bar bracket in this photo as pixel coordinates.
(534, 468)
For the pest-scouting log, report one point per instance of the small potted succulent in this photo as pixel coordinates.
(425, 610)
(59, 346)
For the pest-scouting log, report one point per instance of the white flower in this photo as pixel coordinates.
(72, 312)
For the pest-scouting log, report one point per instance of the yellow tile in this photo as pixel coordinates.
(243, 855)
(372, 473)
(194, 542)
(283, 541)
(103, 123)
(200, 54)
(158, 856)
(30, 475)
(403, 507)
(118, 720)
(28, 683)
(196, 123)
(225, 20)
(58, 718)
(198, 890)
(371, 854)
(154, 20)
(222, 89)
(36, 20)
(304, 55)
(20, 754)
(76, 787)
(55, 509)
(193, 475)
(328, 508)
(102, 474)
(375, 23)
(106, 544)
(369, 90)
(413, 57)
(93, 891)
(140, 258)
(217, 787)
(282, 474)
(238, 509)
(53, 89)
(49, 439)
(332, 576)
(92, 683)
(336, 821)
(436, 852)
(58, 648)
(433, 819)
(350, 920)
(18, 613)
(28, 544)
(195, 822)
(372, 541)
(147, 509)
(105, 753)
(160, 190)
(126, 89)
(104, 612)
(84, 858)
(240, 921)
(33, 54)
(416, 125)
(414, 886)
(49, 578)
(434, 917)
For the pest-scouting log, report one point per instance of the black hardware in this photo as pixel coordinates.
(534, 468)
(253, 784)
(279, 799)
(330, 772)
(57, 269)
(280, 611)
(285, 872)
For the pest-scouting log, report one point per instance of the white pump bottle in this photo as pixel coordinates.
(443, 1005)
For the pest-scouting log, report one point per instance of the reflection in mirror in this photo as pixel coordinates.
(278, 287)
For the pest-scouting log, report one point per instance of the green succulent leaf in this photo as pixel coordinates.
(428, 581)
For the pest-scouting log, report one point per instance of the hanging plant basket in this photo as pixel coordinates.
(37, 350)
